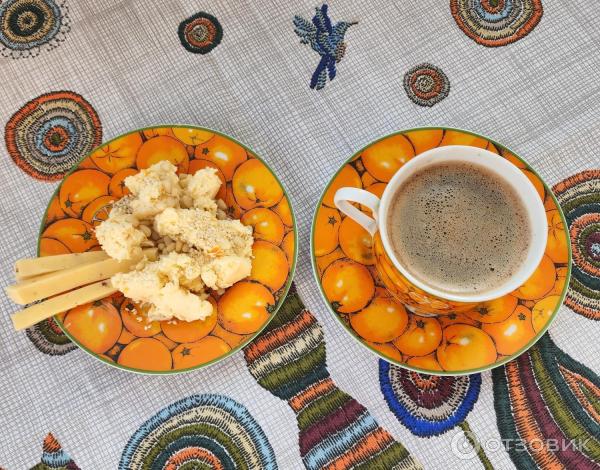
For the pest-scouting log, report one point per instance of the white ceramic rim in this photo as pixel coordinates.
(509, 173)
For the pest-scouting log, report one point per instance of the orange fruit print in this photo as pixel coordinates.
(512, 334)
(136, 321)
(200, 352)
(75, 234)
(422, 336)
(384, 158)
(326, 237)
(80, 188)
(353, 273)
(186, 332)
(381, 321)
(266, 224)
(50, 246)
(254, 186)
(224, 153)
(465, 347)
(117, 186)
(117, 155)
(146, 354)
(348, 286)
(116, 329)
(97, 325)
(272, 271)
(163, 147)
(245, 307)
(55, 212)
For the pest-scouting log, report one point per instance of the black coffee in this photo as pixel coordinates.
(459, 228)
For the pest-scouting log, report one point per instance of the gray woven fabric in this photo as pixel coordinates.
(539, 96)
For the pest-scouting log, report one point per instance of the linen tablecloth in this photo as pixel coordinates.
(523, 72)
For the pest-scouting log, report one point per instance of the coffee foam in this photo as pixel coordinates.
(459, 227)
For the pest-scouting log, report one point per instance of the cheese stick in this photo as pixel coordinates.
(38, 312)
(31, 267)
(50, 284)
(47, 285)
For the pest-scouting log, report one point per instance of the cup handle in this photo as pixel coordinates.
(344, 196)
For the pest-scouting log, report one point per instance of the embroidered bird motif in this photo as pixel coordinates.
(324, 38)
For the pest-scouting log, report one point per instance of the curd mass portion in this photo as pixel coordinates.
(199, 247)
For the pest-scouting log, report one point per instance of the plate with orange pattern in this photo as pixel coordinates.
(491, 334)
(114, 329)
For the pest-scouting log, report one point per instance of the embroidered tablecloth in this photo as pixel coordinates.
(305, 84)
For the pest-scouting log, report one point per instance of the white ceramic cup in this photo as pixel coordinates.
(455, 153)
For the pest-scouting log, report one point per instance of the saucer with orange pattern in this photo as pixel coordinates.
(114, 329)
(487, 336)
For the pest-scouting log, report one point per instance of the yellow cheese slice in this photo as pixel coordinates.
(47, 285)
(31, 267)
(38, 312)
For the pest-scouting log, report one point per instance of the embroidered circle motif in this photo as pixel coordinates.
(495, 23)
(579, 197)
(27, 26)
(200, 431)
(51, 133)
(427, 404)
(426, 84)
(200, 33)
(48, 338)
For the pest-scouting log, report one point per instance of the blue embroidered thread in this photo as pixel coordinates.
(428, 411)
(324, 38)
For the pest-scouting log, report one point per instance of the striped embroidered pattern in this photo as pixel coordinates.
(336, 432)
(579, 197)
(200, 431)
(54, 457)
(545, 396)
(48, 338)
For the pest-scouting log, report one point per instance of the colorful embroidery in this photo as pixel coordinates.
(495, 23)
(547, 407)
(28, 26)
(200, 33)
(426, 84)
(288, 359)
(324, 38)
(49, 338)
(51, 133)
(579, 197)
(428, 405)
(54, 457)
(200, 431)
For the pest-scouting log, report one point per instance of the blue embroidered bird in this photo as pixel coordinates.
(324, 38)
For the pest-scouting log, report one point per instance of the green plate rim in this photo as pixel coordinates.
(285, 290)
(362, 342)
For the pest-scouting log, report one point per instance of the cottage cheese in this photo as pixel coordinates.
(199, 248)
